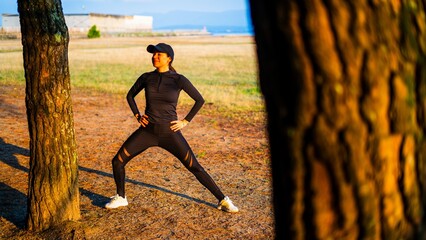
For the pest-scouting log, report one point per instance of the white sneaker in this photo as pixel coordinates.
(117, 201)
(226, 205)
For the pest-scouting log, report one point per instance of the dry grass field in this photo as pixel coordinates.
(165, 200)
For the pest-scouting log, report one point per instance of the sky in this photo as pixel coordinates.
(156, 8)
(130, 7)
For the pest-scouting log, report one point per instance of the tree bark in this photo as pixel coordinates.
(53, 195)
(345, 89)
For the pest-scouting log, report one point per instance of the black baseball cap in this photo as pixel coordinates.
(161, 47)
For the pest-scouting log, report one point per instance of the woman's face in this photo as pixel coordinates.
(160, 60)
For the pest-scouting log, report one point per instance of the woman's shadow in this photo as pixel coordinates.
(100, 201)
(8, 152)
(13, 203)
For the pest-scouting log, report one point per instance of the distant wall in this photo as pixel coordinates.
(77, 22)
(81, 23)
(120, 23)
(10, 23)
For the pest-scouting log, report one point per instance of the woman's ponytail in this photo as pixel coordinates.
(171, 68)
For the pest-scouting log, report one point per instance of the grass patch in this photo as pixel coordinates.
(224, 69)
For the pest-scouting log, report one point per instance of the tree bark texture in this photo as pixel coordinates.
(53, 195)
(345, 90)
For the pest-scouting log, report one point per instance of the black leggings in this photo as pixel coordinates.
(160, 135)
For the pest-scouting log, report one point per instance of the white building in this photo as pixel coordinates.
(81, 23)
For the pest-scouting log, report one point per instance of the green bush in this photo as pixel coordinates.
(93, 32)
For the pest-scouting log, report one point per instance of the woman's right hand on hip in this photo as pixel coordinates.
(143, 120)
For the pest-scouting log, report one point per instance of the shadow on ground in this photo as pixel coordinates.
(13, 205)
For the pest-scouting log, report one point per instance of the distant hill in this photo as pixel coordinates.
(227, 21)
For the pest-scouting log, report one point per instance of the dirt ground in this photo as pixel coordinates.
(165, 200)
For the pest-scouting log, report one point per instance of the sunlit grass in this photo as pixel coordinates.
(11, 63)
(222, 68)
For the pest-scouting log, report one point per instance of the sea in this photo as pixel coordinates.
(213, 30)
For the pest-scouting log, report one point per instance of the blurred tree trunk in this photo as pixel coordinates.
(53, 194)
(345, 90)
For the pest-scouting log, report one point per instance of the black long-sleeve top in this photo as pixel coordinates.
(161, 95)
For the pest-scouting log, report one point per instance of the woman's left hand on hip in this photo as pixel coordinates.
(178, 125)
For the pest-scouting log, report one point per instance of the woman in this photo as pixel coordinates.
(160, 125)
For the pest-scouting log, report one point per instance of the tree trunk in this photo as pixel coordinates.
(53, 194)
(345, 90)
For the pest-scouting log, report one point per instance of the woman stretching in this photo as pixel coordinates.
(160, 125)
